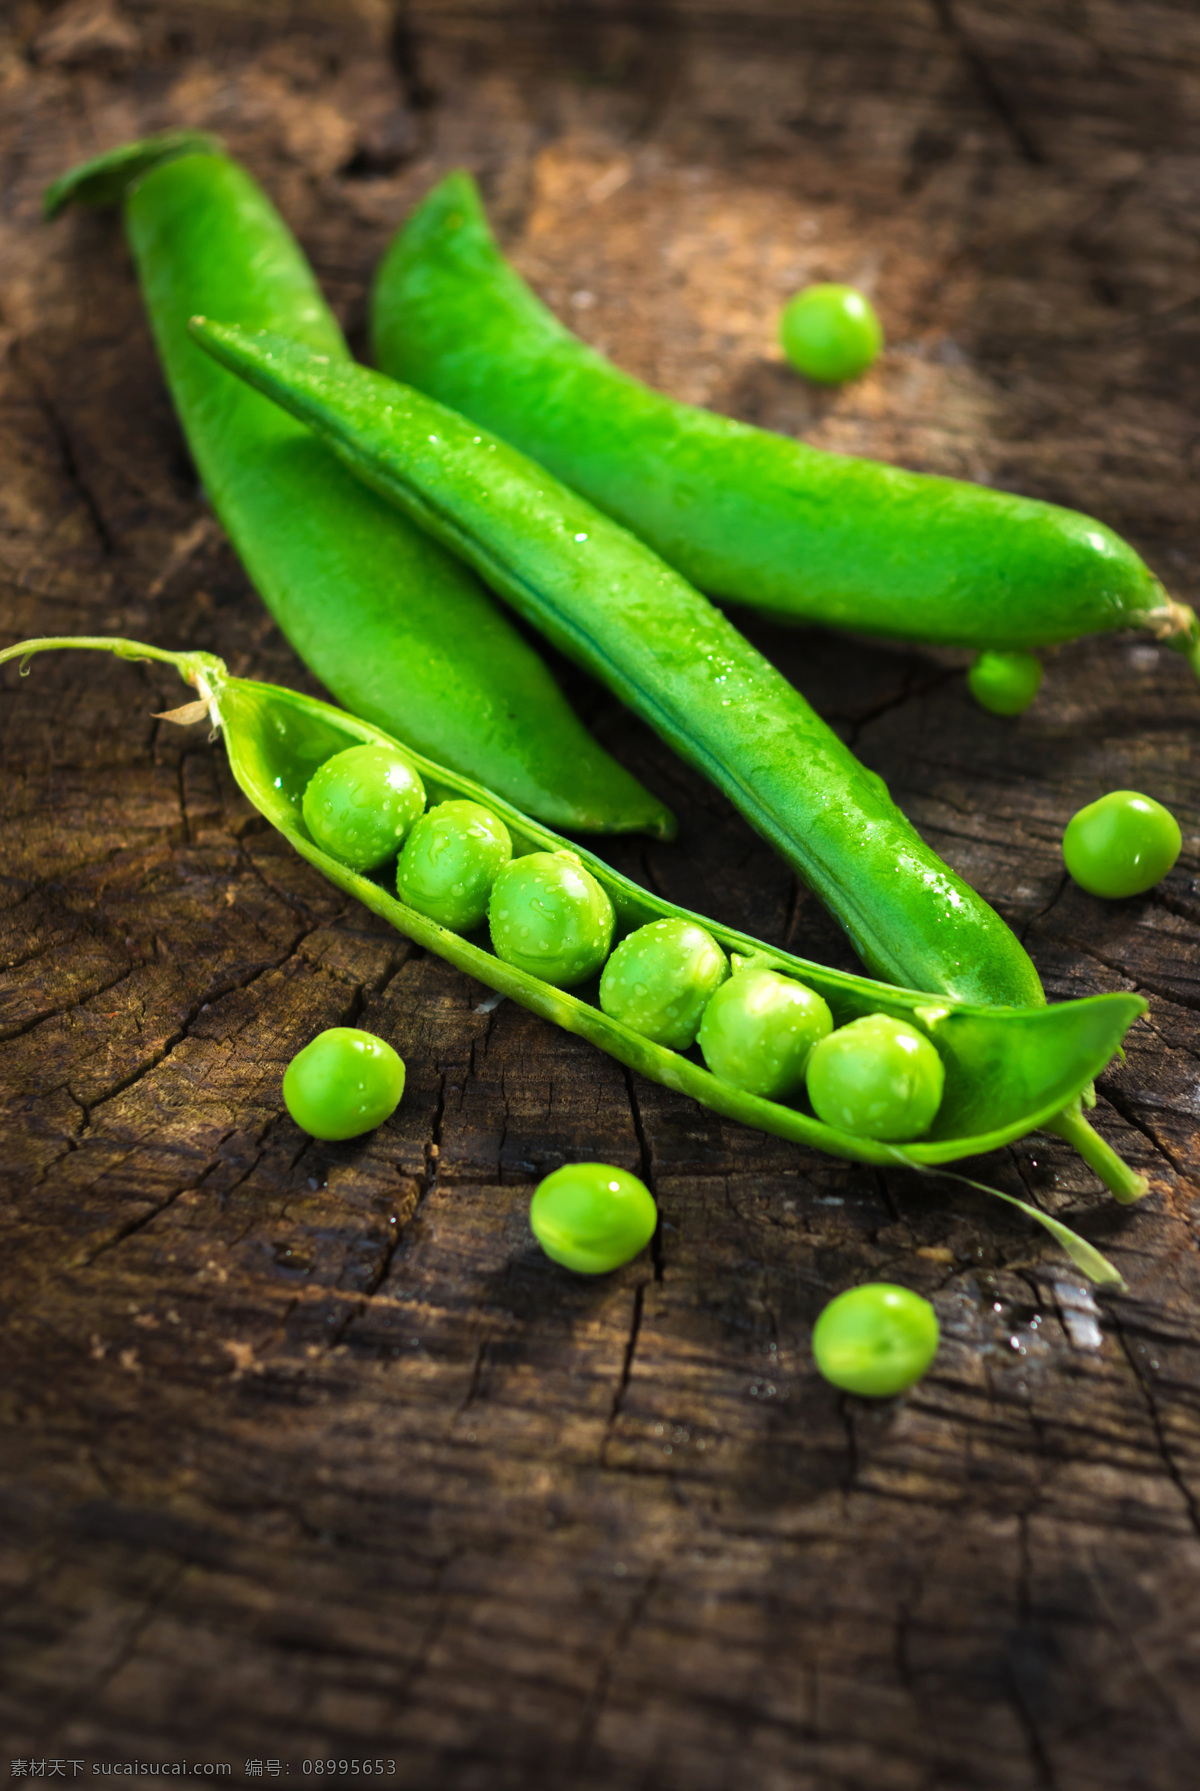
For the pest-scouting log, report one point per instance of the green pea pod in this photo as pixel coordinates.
(399, 630)
(1008, 1071)
(610, 603)
(742, 512)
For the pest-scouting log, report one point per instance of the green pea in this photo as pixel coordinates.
(1121, 845)
(450, 861)
(1005, 683)
(830, 333)
(758, 1030)
(344, 1083)
(877, 1078)
(876, 1339)
(360, 804)
(550, 918)
(660, 978)
(591, 1217)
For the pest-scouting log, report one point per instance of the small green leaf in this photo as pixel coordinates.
(1085, 1256)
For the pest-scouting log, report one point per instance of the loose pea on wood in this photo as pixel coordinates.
(875, 1340)
(344, 1083)
(830, 332)
(1121, 845)
(1005, 683)
(591, 1217)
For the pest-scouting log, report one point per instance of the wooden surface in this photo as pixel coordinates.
(308, 1453)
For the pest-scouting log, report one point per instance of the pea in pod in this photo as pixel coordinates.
(742, 512)
(396, 627)
(1008, 1071)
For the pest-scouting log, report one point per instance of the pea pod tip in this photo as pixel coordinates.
(108, 178)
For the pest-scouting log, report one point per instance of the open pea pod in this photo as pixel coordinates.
(1008, 1070)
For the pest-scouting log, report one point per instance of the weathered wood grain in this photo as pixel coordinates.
(307, 1451)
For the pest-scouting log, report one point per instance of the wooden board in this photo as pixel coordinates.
(309, 1454)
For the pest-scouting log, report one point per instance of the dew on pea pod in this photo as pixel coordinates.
(757, 516)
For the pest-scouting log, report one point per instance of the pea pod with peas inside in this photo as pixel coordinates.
(1007, 1071)
(398, 629)
(742, 512)
(610, 603)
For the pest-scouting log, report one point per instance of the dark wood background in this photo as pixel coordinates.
(308, 1453)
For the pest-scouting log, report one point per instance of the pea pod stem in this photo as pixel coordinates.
(188, 665)
(1007, 1071)
(1124, 1182)
(397, 628)
(742, 512)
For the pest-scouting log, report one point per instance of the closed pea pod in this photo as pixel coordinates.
(619, 611)
(742, 512)
(1007, 1071)
(397, 628)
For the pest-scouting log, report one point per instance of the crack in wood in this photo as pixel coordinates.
(66, 449)
(990, 90)
(1188, 1499)
(613, 1656)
